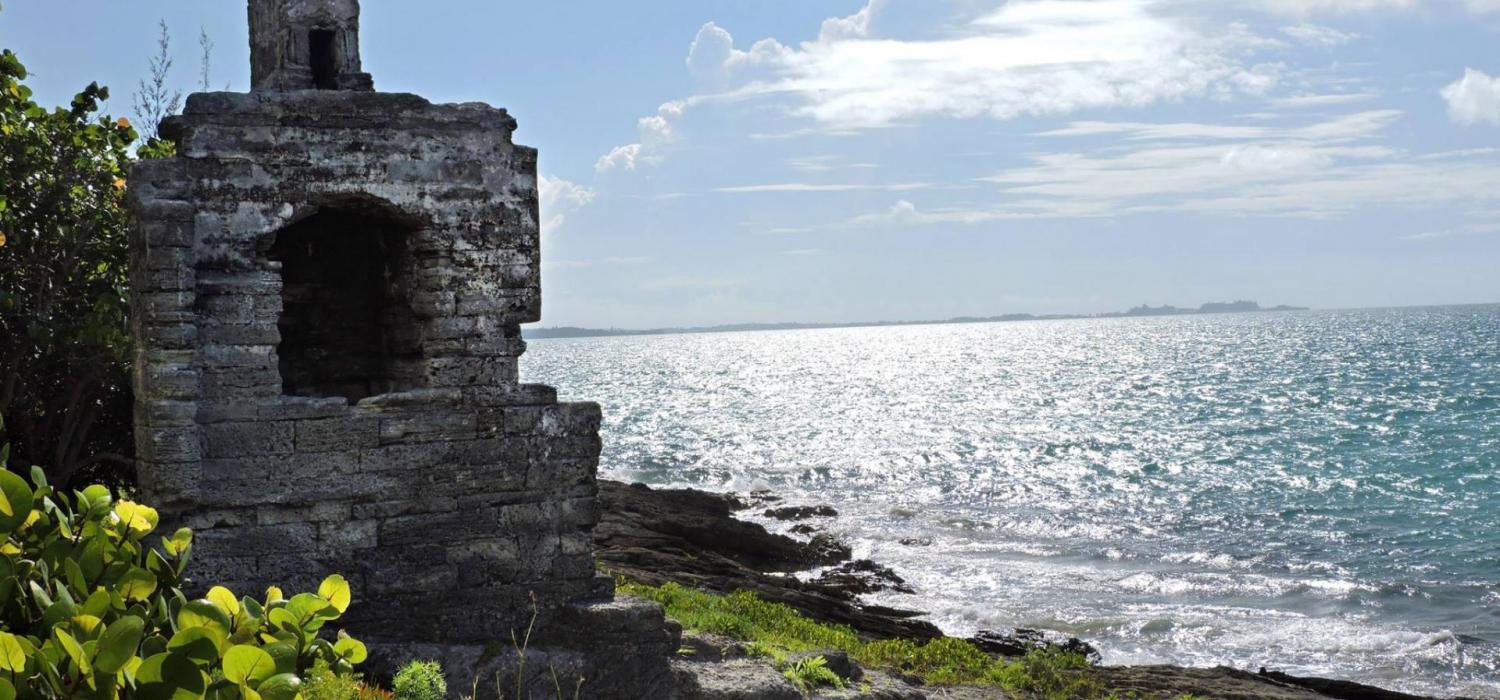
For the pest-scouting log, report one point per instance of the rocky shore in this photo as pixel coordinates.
(694, 538)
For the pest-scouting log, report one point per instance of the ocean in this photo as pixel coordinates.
(1314, 492)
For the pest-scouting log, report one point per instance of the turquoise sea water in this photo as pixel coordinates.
(1315, 492)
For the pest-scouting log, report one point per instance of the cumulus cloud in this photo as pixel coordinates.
(656, 132)
(559, 198)
(1474, 99)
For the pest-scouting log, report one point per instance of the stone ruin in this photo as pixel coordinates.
(328, 286)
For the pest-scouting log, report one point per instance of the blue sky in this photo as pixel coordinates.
(715, 161)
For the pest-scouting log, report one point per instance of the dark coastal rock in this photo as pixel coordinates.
(757, 498)
(858, 578)
(692, 538)
(801, 512)
(1023, 641)
(804, 529)
(1342, 690)
(828, 549)
(916, 541)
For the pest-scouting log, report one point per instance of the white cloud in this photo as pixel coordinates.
(1318, 35)
(1028, 57)
(621, 158)
(837, 187)
(559, 198)
(657, 133)
(1474, 99)
(1304, 8)
(1316, 101)
(855, 26)
(1317, 170)
(1321, 169)
(1461, 231)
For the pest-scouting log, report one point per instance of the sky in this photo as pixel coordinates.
(724, 161)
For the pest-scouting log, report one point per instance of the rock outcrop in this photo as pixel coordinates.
(694, 539)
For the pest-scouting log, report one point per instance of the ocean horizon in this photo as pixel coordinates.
(1313, 492)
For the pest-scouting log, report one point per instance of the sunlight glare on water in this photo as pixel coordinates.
(1313, 492)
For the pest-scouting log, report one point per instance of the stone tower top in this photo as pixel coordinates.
(305, 45)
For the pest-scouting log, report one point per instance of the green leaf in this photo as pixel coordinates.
(204, 613)
(118, 644)
(246, 665)
(285, 656)
(282, 686)
(201, 644)
(225, 598)
(136, 584)
(12, 653)
(335, 590)
(170, 676)
(178, 542)
(7, 691)
(73, 649)
(351, 650)
(15, 501)
(96, 495)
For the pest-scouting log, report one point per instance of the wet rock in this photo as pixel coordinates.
(858, 578)
(917, 542)
(1023, 641)
(755, 499)
(804, 529)
(801, 512)
(692, 538)
(828, 549)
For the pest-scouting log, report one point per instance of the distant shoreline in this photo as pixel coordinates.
(1143, 311)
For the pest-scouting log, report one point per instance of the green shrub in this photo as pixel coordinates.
(812, 673)
(420, 680)
(89, 610)
(773, 631)
(65, 345)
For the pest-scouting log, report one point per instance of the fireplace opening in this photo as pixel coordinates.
(347, 327)
(323, 59)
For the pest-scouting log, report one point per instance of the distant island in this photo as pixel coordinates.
(1233, 307)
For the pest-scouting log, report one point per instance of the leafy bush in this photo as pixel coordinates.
(322, 683)
(812, 673)
(64, 334)
(420, 680)
(89, 610)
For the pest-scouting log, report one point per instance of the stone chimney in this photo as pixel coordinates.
(305, 45)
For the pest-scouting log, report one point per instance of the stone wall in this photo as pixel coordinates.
(450, 494)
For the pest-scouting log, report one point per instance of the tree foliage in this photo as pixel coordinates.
(64, 339)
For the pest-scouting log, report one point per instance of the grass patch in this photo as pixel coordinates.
(774, 631)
